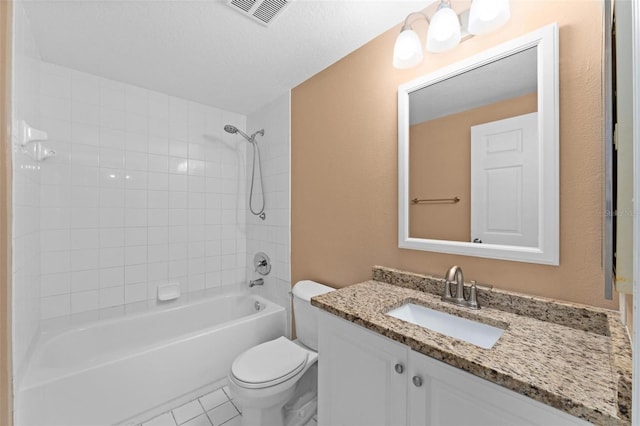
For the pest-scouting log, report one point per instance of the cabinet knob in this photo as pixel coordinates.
(417, 381)
(399, 368)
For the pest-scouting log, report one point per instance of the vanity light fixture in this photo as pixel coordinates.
(446, 31)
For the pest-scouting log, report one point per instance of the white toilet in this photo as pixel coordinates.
(275, 383)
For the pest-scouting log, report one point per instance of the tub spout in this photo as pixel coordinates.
(259, 281)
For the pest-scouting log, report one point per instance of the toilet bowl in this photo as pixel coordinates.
(275, 383)
(263, 379)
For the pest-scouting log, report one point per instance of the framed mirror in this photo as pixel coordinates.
(478, 154)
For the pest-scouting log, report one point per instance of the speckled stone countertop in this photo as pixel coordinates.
(572, 357)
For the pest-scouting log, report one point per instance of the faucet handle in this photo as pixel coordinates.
(473, 296)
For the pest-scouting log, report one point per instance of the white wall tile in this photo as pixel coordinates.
(112, 197)
(58, 108)
(85, 88)
(82, 260)
(134, 274)
(111, 257)
(55, 284)
(135, 217)
(55, 262)
(112, 97)
(112, 276)
(85, 301)
(55, 85)
(54, 240)
(112, 217)
(112, 138)
(85, 238)
(158, 105)
(136, 237)
(158, 144)
(111, 158)
(85, 280)
(135, 292)
(158, 253)
(55, 306)
(135, 255)
(112, 296)
(112, 237)
(85, 113)
(84, 196)
(85, 134)
(112, 119)
(132, 195)
(135, 198)
(136, 161)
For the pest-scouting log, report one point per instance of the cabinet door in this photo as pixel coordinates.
(448, 396)
(358, 383)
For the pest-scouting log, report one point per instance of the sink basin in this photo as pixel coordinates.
(473, 332)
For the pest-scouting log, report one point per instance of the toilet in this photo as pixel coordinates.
(275, 383)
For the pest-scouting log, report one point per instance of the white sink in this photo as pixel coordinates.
(473, 332)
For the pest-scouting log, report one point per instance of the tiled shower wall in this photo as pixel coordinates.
(272, 235)
(145, 189)
(26, 196)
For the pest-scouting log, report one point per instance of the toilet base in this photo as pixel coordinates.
(293, 407)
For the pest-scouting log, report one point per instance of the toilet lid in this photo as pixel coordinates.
(269, 363)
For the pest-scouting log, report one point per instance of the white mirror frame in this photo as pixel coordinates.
(548, 250)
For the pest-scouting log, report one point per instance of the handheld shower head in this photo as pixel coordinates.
(256, 153)
(230, 129)
(233, 129)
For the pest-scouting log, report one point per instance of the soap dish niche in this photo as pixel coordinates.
(168, 291)
(30, 139)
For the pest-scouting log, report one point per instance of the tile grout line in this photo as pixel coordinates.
(205, 410)
(174, 417)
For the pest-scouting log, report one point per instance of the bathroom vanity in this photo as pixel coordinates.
(555, 363)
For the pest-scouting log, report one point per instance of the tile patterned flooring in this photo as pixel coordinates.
(213, 409)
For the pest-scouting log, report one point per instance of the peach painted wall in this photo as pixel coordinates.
(5, 200)
(440, 167)
(344, 163)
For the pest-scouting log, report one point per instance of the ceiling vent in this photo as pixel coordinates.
(262, 11)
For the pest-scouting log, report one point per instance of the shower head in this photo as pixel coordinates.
(233, 129)
(230, 129)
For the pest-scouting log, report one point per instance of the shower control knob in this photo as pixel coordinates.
(262, 263)
(399, 368)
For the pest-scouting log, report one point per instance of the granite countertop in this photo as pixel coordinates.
(572, 357)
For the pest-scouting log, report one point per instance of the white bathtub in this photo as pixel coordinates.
(112, 370)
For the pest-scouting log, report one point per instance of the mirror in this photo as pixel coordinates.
(478, 154)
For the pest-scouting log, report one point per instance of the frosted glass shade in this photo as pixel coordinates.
(488, 15)
(407, 51)
(444, 30)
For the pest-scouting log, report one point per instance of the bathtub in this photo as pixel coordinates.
(109, 371)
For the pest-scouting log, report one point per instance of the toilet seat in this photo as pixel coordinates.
(269, 364)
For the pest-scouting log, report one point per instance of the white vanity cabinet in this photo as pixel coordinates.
(367, 379)
(362, 378)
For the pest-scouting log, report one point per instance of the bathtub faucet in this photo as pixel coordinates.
(259, 281)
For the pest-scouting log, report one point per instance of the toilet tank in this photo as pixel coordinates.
(305, 314)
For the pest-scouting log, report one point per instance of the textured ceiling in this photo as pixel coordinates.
(204, 50)
(507, 78)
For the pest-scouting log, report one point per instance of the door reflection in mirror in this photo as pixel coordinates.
(474, 135)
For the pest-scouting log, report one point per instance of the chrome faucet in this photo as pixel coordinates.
(259, 281)
(454, 276)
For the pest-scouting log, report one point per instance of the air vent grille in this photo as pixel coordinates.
(268, 9)
(245, 5)
(262, 11)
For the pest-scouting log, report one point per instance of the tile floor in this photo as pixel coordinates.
(213, 409)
